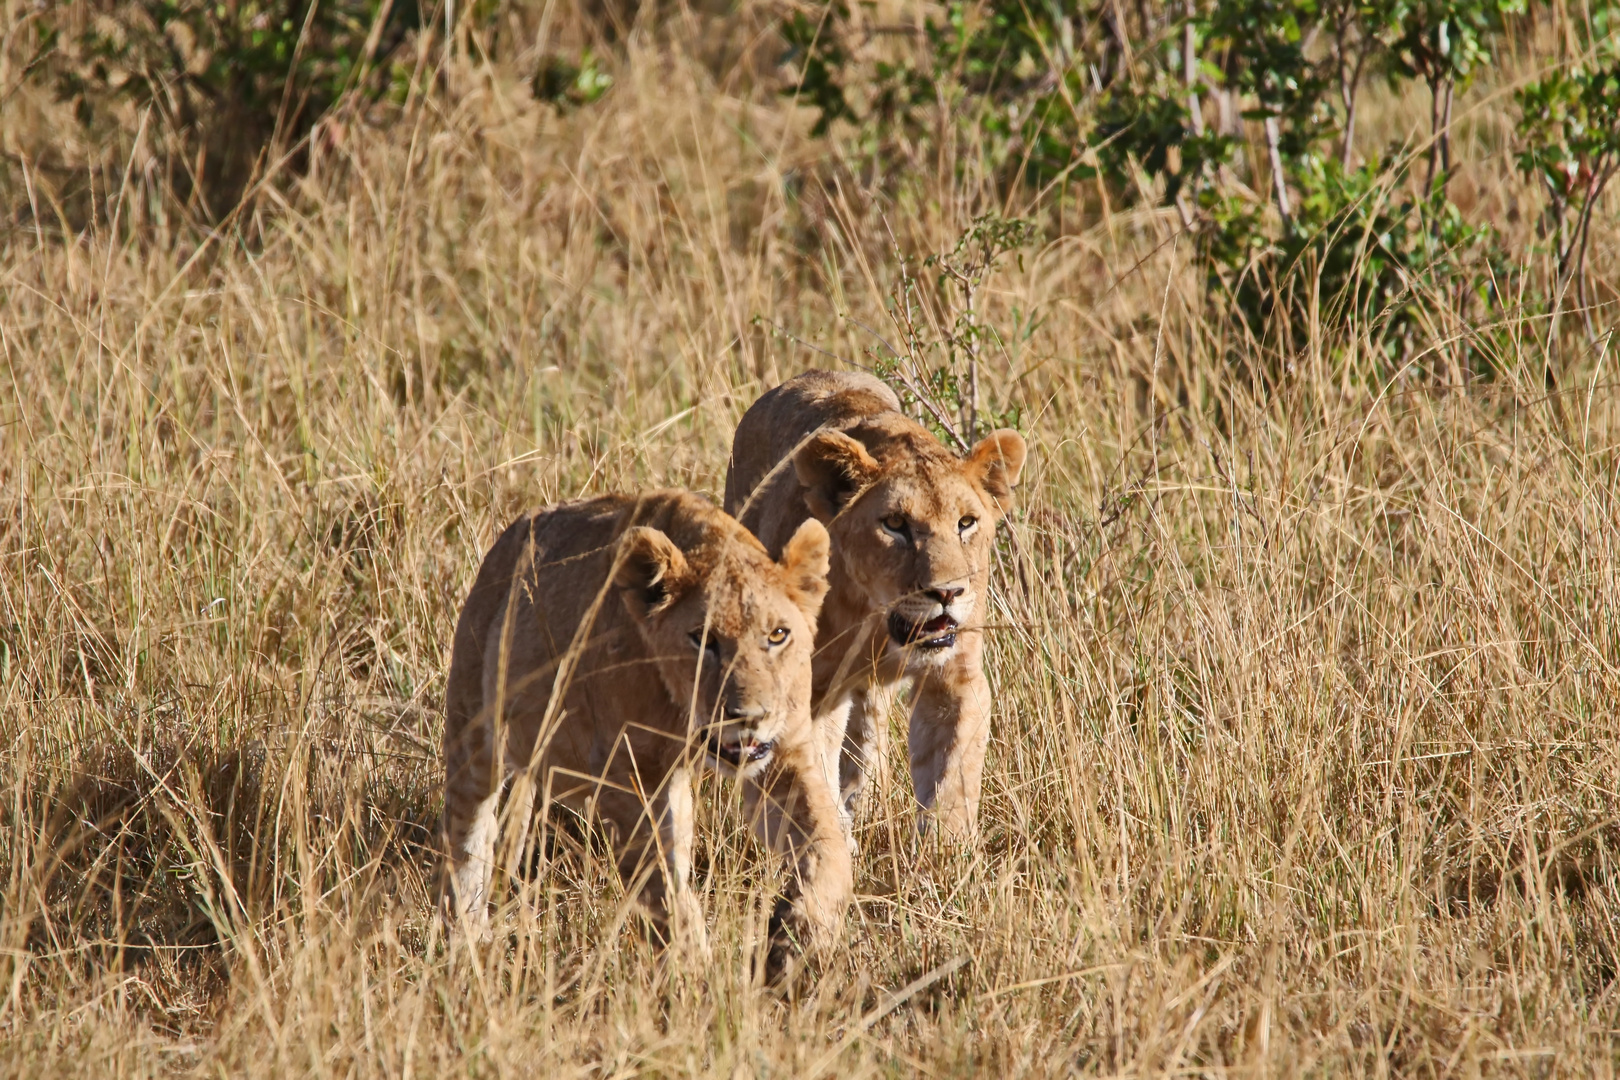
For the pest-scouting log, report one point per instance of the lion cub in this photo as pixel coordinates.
(912, 529)
(608, 649)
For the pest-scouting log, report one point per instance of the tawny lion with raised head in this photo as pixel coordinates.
(912, 526)
(608, 649)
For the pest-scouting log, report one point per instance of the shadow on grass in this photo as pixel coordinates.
(161, 855)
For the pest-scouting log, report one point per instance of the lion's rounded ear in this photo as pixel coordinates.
(833, 468)
(996, 462)
(805, 562)
(648, 570)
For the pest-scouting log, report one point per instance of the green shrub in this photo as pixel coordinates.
(1303, 237)
(1570, 131)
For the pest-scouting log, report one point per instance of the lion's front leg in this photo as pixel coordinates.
(793, 810)
(950, 728)
(830, 742)
(655, 858)
(865, 742)
(471, 797)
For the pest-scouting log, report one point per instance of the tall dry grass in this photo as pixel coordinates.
(1304, 756)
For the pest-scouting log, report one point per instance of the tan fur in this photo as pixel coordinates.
(574, 669)
(835, 447)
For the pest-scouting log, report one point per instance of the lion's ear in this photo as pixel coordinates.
(648, 570)
(996, 462)
(805, 562)
(833, 468)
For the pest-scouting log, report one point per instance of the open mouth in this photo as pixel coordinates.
(741, 753)
(937, 633)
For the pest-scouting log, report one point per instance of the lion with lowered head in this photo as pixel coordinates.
(912, 526)
(608, 649)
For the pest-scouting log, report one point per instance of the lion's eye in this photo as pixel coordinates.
(895, 523)
(705, 642)
(967, 522)
(778, 636)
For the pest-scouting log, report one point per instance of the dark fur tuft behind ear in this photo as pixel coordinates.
(996, 462)
(833, 468)
(805, 561)
(648, 570)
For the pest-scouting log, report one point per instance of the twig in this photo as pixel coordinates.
(797, 340)
(1278, 181)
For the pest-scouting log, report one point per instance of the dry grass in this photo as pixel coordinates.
(1302, 759)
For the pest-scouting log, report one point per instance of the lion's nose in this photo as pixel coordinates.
(946, 594)
(737, 713)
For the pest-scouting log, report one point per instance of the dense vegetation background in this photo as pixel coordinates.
(1305, 637)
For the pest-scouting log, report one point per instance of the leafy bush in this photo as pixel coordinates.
(1006, 63)
(1356, 252)
(1337, 240)
(565, 83)
(939, 378)
(1570, 129)
(1158, 102)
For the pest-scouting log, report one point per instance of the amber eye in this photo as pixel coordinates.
(967, 522)
(895, 523)
(778, 636)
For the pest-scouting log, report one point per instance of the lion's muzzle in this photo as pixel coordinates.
(932, 634)
(926, 619)
(738, 749)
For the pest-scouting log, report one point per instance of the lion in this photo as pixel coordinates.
(912, 526)
(608, 649)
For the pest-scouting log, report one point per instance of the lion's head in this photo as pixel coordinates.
(912, 523)
(732, 631)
